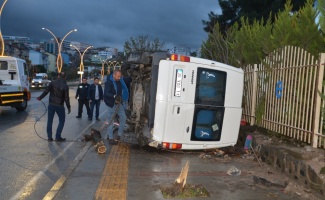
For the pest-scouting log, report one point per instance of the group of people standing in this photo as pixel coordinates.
(89, 95)
(115, 96)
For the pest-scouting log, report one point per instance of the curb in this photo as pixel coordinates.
(300, 164)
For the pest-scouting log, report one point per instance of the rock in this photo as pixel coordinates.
(233, 171)
(309, 149)
(265, 182)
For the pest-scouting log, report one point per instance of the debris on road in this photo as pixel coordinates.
(265, 182)
(181, 180)
(233, 171)
(96, 137)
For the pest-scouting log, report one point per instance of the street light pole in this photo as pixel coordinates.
(1, 37)
(102, 72)
(59, 60)
(81, 66)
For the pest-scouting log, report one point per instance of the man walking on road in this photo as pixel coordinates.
(59, 93)
(82, 97)
(95, 95)
(116, 96)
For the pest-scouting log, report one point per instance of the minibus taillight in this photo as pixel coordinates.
(181, 58)
(167, 145)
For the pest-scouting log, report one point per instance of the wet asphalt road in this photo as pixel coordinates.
(29, 165)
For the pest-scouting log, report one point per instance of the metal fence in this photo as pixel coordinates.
(281, 94)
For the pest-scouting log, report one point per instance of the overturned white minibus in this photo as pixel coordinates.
(182, 102)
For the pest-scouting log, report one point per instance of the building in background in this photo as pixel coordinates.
(37, 58)
(183, 50)
(51, 62)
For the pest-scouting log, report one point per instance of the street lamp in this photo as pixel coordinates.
(1, 37)
(59, 60)
(110, 66)
(81, 66)
(117, 63)
(102, 72)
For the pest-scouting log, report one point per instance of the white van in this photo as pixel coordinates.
(40, 80)
(14, 85)
(182, 102)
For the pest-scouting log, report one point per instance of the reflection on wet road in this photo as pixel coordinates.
(29, 165)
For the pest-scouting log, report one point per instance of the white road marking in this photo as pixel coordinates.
(29, 186)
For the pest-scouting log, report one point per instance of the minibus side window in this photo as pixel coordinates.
(25, 69)
(207, 123)
(210, 87)
(3, 65)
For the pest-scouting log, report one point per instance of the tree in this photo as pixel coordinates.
(40, 69)
(253, 10)
(193, 53)
(143, 43)
(321, 9)
(306, 31)
(250, 43)
(217, 47)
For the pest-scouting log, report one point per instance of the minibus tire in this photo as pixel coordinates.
(22, 106)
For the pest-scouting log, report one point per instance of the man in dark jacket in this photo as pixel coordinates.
(95, 95)
(59, 93)
(82, 97)
(116, 96)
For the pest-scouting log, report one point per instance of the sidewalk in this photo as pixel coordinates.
(130, 172)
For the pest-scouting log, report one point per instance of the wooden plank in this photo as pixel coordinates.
(292, 99)
(297, 56)
(254, 93)
(311, 90)
(318, 100)
(299, 89)
(289, 87)
(277, 107)
(270, 96)
(304, 99)
(282, 79)
(268, 92)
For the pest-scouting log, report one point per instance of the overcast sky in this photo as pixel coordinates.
(110, 22)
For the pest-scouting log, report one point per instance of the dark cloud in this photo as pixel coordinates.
(110, 22)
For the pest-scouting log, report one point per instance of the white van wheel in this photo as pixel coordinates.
(22, 106)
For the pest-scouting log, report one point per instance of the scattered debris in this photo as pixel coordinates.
(219, 153)
(223, 153)
(96, 137)
(263, 181)
(182, 190)
(189, 191)
(181, 180)
(248, 143)
(256, 156)
(309, 149)
(233, 171)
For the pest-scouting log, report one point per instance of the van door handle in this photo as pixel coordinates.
(187, 129)
(178, 110)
